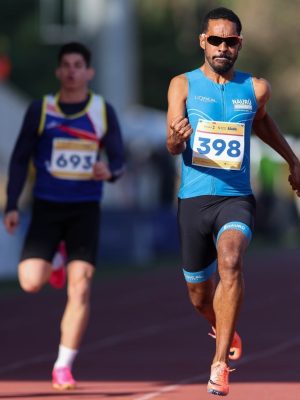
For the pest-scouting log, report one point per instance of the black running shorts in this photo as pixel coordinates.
(201, 219)
(75, 223)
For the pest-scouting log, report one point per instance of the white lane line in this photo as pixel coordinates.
(245, 360)
(172, 388)
(27, 361)
(104, 343)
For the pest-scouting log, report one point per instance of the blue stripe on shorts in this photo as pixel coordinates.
(200, 276)
(240, 226)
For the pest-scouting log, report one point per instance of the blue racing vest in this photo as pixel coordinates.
(216, 160)
(66, 151)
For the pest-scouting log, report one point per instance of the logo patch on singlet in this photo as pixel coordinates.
(242, 104)
(205, 99)
(52, 125)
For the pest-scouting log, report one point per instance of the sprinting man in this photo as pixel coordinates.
(210, 116)
(63, 134)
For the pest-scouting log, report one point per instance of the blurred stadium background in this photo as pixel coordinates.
(138, 46)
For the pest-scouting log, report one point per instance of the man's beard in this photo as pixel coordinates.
(221, 68)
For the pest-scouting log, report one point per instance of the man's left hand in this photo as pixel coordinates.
(101, 172)
(294, 177)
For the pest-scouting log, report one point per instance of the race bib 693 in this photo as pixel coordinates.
(73, 159)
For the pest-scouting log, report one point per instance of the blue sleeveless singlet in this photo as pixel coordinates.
(216, 160)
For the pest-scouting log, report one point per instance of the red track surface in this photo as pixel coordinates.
(146, 342)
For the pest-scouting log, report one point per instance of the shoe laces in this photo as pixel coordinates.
(220, 373)
(213, 333)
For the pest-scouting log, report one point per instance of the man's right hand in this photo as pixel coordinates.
(11, 221)
(181, 129)
(179, 132)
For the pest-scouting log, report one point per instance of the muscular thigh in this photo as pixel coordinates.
(196, 235)
(202, 221)
(235, 214)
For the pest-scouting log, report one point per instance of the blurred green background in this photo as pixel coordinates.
(167, 34)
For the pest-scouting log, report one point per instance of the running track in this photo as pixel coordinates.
(146, 342)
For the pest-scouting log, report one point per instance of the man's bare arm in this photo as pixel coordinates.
(178, 128)
(267, 130)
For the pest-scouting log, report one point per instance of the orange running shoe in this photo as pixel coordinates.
(58, 275)
(62, 379)
(235, 351)
(218, 381)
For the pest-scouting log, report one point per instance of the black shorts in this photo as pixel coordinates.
(75, 223)
(201, 219)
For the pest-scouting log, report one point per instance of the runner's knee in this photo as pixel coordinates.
(199, 299)
(30, 284)
(79, 284)
(33, 275)
(201, 294)
(78, 291)
(230, 267)
(230, 261)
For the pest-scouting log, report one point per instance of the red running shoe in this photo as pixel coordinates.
(58, 275)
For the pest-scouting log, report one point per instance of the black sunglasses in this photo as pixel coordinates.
(231, 41)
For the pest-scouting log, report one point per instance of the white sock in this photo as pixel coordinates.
(65, 357)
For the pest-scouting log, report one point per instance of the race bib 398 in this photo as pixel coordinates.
(219, 145)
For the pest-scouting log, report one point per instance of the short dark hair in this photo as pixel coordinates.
(222, 13)
(75, 47)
